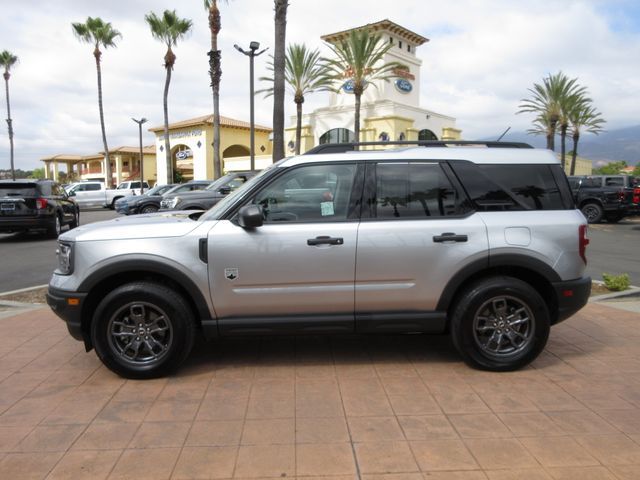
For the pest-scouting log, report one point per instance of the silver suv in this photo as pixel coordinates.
(484, 243)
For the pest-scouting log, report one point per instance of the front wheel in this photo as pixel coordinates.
(149, 209)
(143, 330)
(500, 324)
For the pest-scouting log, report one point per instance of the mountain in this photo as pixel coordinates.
(612, 145)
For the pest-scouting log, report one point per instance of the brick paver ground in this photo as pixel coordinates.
(397, 407)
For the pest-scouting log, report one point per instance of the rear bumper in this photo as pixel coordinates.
(19, 224)
(69, 311)
(571, 296)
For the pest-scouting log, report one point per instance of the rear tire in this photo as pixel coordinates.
(593, 212)
(53, 230)
(500, 324)
(143, 330)
(76, 220)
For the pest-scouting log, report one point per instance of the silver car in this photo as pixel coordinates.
(485, 243)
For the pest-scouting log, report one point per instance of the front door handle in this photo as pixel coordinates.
(449, 237)
(325, 240)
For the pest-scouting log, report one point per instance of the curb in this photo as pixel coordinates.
(632, 292)
(22, 290)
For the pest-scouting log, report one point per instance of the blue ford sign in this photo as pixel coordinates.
(348, 86)
(404, 85)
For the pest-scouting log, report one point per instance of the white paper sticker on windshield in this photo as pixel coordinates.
(326, 208)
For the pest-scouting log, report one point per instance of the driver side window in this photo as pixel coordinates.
(311, 193)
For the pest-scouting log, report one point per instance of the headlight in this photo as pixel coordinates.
(65, 258)
(172, 202)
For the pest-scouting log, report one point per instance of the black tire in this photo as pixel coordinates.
(76, 220)
(149, 209)
(53, 230)
(113, 203)
(155, 346)
(504, 307)
(593, 212)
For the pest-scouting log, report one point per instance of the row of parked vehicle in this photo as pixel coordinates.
(606, 197)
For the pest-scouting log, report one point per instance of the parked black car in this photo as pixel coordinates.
(207, 198)
(150, 201)
(36, 204)
(608, 197)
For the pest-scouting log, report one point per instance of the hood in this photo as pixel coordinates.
(153, 225)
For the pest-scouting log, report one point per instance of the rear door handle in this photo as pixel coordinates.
(325, 240)
(449, 237)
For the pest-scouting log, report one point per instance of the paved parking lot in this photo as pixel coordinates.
(397, 407)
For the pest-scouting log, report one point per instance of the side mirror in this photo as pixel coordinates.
(224, 190)
(250, 216)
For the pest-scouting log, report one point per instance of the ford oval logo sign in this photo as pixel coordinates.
(347, 87)
(404, 85)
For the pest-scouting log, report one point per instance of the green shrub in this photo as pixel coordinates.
(616, 283)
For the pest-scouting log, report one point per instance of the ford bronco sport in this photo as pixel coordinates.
(485, 243)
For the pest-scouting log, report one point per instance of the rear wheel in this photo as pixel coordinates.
(53, 230)
(143, 330)
(499, 324)
(593, 212)
(76, 220)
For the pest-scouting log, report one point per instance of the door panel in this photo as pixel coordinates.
(273, 271)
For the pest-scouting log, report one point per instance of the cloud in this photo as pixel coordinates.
(481, 58)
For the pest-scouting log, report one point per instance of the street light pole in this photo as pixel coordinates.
(140, 122)
(253, 46)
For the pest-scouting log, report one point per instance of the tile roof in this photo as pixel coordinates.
(208, 119)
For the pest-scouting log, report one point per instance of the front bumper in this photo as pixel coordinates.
(68, 306)
(571, 296)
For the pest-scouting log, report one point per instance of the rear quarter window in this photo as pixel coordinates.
(18, 190)
(493, 187)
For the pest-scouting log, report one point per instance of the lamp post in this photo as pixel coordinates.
(253, 46)
(140, 122)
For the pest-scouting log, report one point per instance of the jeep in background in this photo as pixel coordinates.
(608, 197)
(483, 243)
(36, 205)
(208, 197)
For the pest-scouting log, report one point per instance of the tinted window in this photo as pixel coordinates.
(45, 189)
(414, 190)
(511, 187)
(17, 190)
(614, 181)
(308, 193)
(93, 186)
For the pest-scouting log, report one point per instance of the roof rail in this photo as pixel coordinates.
(350, 147)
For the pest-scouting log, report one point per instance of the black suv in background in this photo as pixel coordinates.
(207, 198)
(36, 204)
(150, 201)
(608, 197)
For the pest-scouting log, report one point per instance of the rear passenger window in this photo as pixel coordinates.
(414, 190)
(512, 187)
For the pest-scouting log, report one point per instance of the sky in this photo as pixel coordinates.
(481, 58)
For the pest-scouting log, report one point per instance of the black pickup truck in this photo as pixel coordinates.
(608, 197)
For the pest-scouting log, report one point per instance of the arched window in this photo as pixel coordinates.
(337, 135)
(426, 134)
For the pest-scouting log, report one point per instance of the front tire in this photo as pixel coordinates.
(143, 330)
(149, 209)
(500, 324)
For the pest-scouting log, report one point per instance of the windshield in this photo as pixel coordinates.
(214, 212)
(157, 190)
(219, 182)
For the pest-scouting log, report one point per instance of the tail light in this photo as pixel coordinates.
(621, 195)
(583, 242)
(636, 195)
(41, 203)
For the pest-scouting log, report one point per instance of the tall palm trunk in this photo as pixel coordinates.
(7, 75)
(215, 73)
(574, 154)
(356, 123)
(278, 78)
(107, 173)
(169, 60)
(551, 137)
(563, 146)
(299, 102)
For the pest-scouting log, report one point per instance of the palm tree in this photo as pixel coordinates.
(8, 60)
(547, 100)
(99, 33)
(304, 74)
(585, 117)
(279, 77)
(359, 60)
(215, 73)
(169, 28)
